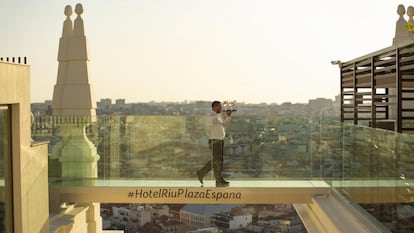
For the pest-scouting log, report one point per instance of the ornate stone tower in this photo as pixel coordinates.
(74, 105)
(73, 94)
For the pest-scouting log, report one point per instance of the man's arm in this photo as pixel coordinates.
(226, 121)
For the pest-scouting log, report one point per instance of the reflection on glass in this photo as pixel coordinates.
(5, 172)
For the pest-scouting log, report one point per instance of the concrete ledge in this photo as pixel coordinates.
(239, 192)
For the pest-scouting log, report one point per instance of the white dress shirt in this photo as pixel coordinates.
(216, 126)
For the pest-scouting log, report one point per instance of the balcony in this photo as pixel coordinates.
(297, 159)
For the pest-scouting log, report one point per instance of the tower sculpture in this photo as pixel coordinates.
(73, 110)
(73, 104)
(73, 94)
(401, 33)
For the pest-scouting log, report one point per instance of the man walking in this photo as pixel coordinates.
(216, 131)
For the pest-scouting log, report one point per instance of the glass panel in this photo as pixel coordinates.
(5, 171)
(378, 170)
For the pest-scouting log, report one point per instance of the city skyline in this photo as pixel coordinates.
(126, 101)
(250, 51)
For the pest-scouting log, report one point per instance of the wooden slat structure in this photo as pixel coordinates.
(378, 89)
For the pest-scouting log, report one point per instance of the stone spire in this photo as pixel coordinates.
(74, 107)
(401, 33)
(73, 94)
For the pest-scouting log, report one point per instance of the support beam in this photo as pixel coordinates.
(373, 95)
(398, 86)
(355, 103)
(334, 214)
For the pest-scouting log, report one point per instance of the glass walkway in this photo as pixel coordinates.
(153, 159)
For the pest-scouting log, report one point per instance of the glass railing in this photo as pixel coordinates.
(174, 147)
(256, 147)
(375, 161)
(374, 173)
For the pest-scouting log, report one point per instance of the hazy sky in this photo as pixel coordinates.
(174, 50)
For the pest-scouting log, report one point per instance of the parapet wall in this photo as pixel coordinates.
(29, 159)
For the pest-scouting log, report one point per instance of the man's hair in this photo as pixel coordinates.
(215, 102)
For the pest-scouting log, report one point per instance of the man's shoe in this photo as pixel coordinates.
(200, 177)
(221, 184)
(224, 181)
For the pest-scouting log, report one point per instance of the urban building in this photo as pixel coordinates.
(232, 221)
(23, 162)
(200, 216)
(286, 226)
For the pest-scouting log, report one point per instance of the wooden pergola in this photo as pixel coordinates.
(378, 89)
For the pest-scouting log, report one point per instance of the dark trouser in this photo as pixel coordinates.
(216, 147)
